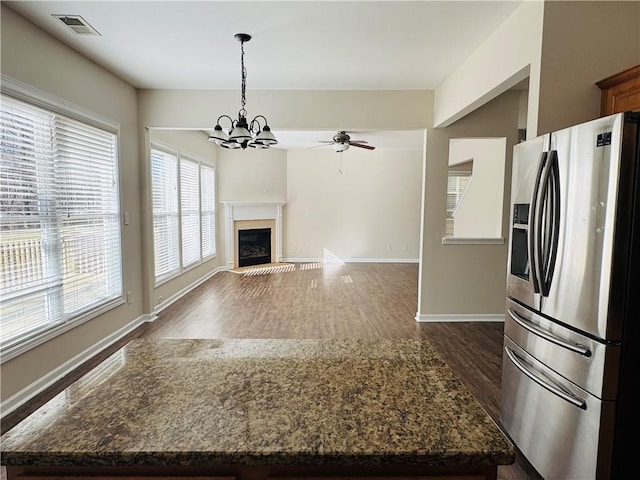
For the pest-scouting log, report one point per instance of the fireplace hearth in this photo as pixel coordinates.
(254, 246)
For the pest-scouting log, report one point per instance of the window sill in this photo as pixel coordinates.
(472, 241)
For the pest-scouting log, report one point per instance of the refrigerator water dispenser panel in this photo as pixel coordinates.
(519, 246)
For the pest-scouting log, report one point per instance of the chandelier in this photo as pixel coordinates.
(243, 134)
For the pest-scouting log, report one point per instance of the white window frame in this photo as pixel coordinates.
(181, 156)
(58, 106)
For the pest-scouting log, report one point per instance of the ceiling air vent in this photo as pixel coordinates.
(77, 24)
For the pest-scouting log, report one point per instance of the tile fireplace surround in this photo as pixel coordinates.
(252, 215)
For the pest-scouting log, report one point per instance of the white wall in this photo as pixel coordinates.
(510, 54)
(369, 212)
(479, 213)
(252, 175)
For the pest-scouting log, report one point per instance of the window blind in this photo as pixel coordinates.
(184, 210)
(457, 183)
(208, 210)
(60, 238)
(190, 210)
(164, 180)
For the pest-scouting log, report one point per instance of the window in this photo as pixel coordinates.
(475, 186)
(457, 183)
(190, 210)
(60, 239)
(164, 178)
(184, 214)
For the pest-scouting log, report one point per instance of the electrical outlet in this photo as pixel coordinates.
(160, 298)
(129, 296)
(405, 247)
(388, 246)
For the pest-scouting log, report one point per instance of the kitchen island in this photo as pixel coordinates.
(262, 408)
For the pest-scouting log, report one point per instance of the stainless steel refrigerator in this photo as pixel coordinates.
(571, 347)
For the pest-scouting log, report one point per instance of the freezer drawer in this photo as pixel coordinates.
(564, 432)
(590, 364)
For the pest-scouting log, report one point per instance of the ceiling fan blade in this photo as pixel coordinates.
(318, 146)
(368, 147)
(326, 141)
(358, 141)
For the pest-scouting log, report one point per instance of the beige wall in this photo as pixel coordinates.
(290, 110)
(33, 57)
(370, 211)
(463, 279)
(583, 42)
(194, 143)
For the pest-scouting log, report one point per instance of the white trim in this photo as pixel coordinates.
(459, 317)
(259, 210)
(42, 99)
(179, 294)
(472, 241)
(350, 260)
(18, 399)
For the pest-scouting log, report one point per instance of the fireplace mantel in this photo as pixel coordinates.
(239, 210)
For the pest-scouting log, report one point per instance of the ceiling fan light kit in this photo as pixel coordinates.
(243, 134)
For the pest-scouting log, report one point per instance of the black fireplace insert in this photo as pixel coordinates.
(254, 246)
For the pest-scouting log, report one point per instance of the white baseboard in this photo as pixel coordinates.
(350, 260)
(455, 317)
(44, 382)
(178, 295)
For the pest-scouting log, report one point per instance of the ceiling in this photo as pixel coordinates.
(296, 45)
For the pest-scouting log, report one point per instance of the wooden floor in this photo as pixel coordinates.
(329, 301)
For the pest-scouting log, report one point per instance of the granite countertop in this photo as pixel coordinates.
(255, 402)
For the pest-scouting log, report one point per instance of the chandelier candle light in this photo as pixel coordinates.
(241, 133)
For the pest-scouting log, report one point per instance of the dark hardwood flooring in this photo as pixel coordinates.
(372, 300)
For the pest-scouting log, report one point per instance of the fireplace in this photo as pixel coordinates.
(253, 216)
(254, 246)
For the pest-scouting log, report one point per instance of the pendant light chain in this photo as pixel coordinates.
(243, 98)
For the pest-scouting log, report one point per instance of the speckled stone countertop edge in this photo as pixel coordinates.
(447, 443)
(196, 459)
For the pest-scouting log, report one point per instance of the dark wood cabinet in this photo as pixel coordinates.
(620, 92)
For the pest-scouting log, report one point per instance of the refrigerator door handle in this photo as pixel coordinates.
(556, 390)
(554, 205)
(533, 226)
(542, 224)
(528, 325)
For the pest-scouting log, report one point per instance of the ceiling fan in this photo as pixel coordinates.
(342, 141)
